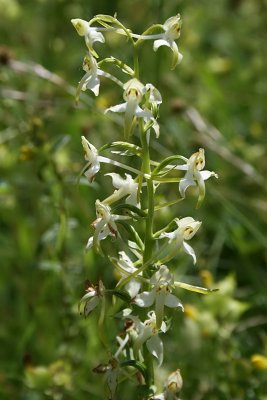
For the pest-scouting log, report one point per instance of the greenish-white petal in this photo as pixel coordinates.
(145, 299)
(189, 250)
(172, 301)
(155, 347)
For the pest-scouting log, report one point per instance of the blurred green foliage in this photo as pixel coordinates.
(47, 350)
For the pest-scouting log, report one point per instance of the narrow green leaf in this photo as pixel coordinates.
(167, 161)
(193, 288)
(131, 208)
(121, 294)
(136, 364)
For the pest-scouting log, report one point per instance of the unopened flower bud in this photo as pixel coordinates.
(174, 382)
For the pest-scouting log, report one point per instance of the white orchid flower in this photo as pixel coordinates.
(134, 91)
(162, 283)
(126, 268)
(148, 333)
(104, 225)
(90, 155)
(195, 176)
(125, 187)
(93, 165)
(90, 80)
(92, 298)
(90, 34)
(186, 229)
(172, 28)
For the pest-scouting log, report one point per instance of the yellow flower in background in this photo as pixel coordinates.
(259, 361)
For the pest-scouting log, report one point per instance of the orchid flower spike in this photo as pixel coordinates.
(90, 34)
(195, 176)
(90, 155)
(160, 294)
(133, 94)
(172, 28)
(186, 229)
(104, 225)
(125, 187)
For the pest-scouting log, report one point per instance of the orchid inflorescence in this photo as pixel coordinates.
(145, 282)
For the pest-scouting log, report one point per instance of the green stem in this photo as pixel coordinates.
(148, 361)
(150, 196)
(136, 62)
(109, 19)
(148, 242)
